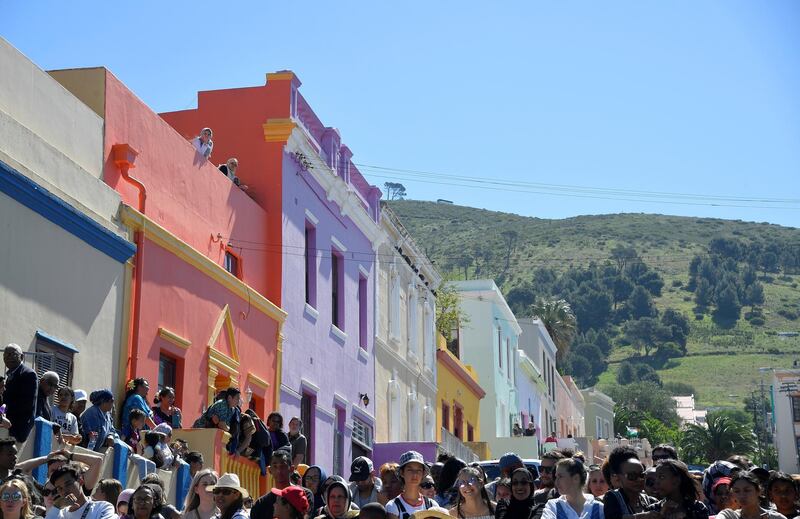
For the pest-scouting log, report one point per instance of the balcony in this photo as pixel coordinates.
(452, 445)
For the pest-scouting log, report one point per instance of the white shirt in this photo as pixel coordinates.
(551, 508)
(99, 510)
(203, 148)
(392, 508)
(67, 421)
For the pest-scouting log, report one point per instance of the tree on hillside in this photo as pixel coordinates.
(560, 321)
(622, 255)
(464, 262)
(621, 290)
(728, 305)
(510, 239)
(678, 326)
(644, 334)
(720, 438)
(640, 304)
(645, 397)
(520, 299)
(703, 294)
(395, 191)
(594, 308)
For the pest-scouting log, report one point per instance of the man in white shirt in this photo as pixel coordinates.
(70, 502)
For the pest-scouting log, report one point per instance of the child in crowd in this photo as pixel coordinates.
(132, 431)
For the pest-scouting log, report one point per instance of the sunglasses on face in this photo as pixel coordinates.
(426, 485)
(471, 481)
(11, 496)
(547, 470)
(660, 457)
(520, 483)
(223, 491)
(634, 476)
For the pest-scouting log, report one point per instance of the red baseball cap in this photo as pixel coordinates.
(296, 497)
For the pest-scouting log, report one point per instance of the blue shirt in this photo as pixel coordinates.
(135, 401)
(95, 420)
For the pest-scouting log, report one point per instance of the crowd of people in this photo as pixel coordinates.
(562, 486)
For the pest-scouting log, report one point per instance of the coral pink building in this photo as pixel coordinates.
(199, 318)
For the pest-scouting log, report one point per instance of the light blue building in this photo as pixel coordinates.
(489, 343)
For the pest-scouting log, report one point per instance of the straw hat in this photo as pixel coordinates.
(229, 481)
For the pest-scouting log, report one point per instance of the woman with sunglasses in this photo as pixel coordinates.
(473, 501)
(676, 487)
(15, 502)
(428, 488)
(229, 497)
(521, 505)
(746, 489)
(628, 500)
(199, 500)
(165, 410)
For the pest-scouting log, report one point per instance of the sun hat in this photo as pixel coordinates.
(80, 395)
(231, 481)
(296, 497)
(411, 457)
(435, 512)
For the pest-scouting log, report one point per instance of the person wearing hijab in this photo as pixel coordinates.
(521, 505)
(337, 500)
(313, 478)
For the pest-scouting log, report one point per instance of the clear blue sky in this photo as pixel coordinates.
(680, 96)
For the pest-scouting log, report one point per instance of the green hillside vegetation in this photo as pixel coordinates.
(691, 304)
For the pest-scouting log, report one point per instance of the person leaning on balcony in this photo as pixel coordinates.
(165, 410)
(64, 418)
(203, 143)
(19, 395)
(136, 398)
(98, 426)
(219, 414)
(298, 441)
(229, 170)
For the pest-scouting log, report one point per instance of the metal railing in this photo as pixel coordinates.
(454, 446)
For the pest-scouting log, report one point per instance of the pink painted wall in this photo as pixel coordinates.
(185, 301)
(186, 194)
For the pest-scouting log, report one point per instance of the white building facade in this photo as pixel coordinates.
(538, 348)
(786, 418)
(405, 340)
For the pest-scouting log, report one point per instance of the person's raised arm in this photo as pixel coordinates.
(95, 463)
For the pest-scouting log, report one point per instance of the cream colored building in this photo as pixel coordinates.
(62, 264)
(405, 341)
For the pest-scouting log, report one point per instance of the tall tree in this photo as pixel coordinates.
(395, 191)
(641, 304)
(510, 239)
(720, 438)
(622, 255)
(560, 321)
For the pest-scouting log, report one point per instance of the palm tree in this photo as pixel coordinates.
(720, 438)
(560, 321)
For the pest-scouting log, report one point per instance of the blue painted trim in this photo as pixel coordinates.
(182, 484)
(42, 445)
(46, 204)
(120, 465)
(54, 340)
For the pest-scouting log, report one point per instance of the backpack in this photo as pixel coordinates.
(404, 514)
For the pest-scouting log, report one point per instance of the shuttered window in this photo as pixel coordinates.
(51, 356)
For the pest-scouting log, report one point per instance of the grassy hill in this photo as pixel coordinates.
(722, 363)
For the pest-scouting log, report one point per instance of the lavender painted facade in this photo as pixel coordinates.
(330, 233)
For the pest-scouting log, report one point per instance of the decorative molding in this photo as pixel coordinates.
(342, 336)
(168, 241)
(325, 412)
(291, 392)
(362, 354)
(363, 271)
(311, 311)
(338, 244)
(278, 76)
(311, 218)
(257, 381)
(336, 189)
(174, 338)
(278, 130)
(47, 205)
(344, 402)
(307, 384)
(364, 417)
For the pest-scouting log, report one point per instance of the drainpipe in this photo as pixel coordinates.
(124, 157)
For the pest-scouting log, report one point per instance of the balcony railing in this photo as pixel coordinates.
(452, 445)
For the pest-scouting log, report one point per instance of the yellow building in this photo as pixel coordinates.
(459, 397)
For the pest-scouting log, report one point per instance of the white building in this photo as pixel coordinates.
(786, 418)
(63, 263)
(684, 406)
(405, 340)
(537, 349)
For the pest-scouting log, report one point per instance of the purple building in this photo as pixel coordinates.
(322, 234)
